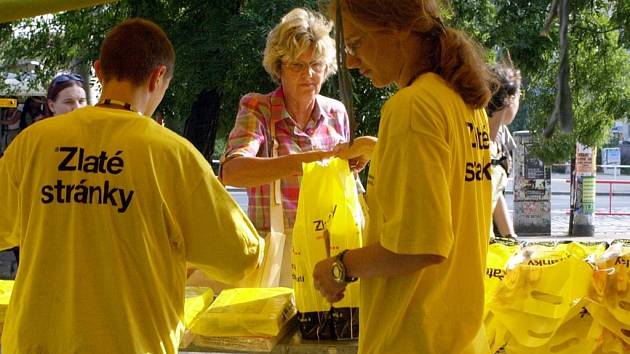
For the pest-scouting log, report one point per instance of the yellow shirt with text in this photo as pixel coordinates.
(108, 207)
(429, 193)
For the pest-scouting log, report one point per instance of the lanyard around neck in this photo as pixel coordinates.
(124, 105)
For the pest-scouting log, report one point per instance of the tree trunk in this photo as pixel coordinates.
(201, 126)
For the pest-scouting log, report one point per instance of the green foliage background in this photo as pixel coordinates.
(219, 46)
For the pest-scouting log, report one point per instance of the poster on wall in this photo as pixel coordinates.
(534, 167)
(584, 159)
(588, 194)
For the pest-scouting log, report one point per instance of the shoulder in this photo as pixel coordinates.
(255, 99)
(430, 93)
(429, 89)
(330, 104)
(333, 109)
(428, 104)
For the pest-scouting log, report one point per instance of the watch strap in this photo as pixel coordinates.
(339, 258)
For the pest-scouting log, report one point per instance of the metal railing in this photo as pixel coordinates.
(610, 184)
(610, 196)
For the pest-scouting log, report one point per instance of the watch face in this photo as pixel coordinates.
(337, 272)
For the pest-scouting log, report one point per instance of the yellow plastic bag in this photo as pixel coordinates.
(499, 253)
(544, 282)
(611, 282)
(329, 220)
(242, 312)
(541, 289)
(607, 342)
(197, 300)
(496, 333)
(603, 317)
(6, 287)
(587, 251)
(570, 338)
(496, 267)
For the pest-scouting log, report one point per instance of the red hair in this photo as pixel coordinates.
(450, 53)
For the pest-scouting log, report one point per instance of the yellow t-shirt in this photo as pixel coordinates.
(428, 193)
(107, 207)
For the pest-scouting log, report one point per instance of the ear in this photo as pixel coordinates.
(156, 78)
(51, 105)
(97, 69)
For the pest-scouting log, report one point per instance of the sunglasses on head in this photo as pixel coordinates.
(66, 77)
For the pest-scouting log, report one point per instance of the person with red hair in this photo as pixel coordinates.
(423, 261)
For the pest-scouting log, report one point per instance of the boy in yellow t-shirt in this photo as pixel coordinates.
(108, 207)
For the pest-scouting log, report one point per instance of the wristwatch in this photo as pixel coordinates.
(338, 270)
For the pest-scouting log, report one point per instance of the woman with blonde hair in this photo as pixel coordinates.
(306, 126)
(423, 261)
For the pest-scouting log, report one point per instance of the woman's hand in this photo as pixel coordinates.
(358, 154)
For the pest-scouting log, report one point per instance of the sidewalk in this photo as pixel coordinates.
(607, 227)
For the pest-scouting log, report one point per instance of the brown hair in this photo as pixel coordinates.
(133, 49)
(58, 84)
(450, 53)
(508, 84)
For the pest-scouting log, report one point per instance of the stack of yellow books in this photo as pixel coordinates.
(246, 319)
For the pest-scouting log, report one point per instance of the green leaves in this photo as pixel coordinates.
(599, 63)
(219, 45)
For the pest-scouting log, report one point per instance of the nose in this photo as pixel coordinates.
(308, 71)
(352, 62)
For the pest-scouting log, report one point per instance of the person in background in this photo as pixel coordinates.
(9, 126)
(65, 94)
(16, 120)
(108, 208)
(502, 110)
(299, 56)
(423, 262)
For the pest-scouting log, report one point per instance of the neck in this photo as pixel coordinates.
(127, 92)
(415, 60)
(300, 110)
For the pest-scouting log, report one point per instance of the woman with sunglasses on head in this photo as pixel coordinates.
(423, 264)
(501, 111)
(65, 94)
(299, 56)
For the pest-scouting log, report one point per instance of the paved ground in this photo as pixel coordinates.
(607, 227)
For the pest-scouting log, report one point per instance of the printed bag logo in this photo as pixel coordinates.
(75, 159)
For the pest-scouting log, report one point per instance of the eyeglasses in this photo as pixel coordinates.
(354, 44)
(298, 67)
(59, 79)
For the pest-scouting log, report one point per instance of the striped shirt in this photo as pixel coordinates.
(251, 137)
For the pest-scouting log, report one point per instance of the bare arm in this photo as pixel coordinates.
(362, 147)
(367, 262)
(254, 171)
(495, 122)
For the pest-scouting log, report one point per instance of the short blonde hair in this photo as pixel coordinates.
(298, 31)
